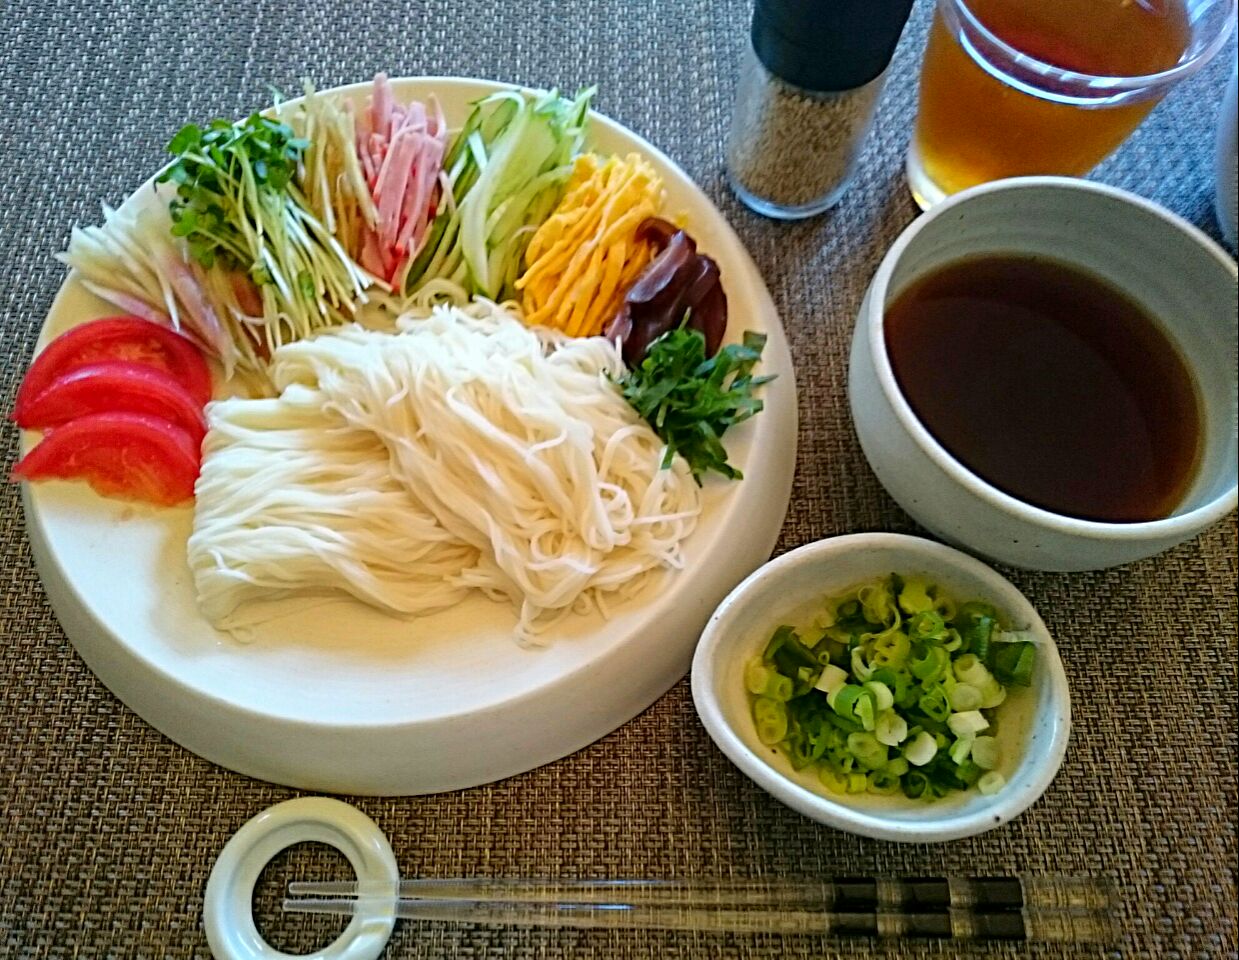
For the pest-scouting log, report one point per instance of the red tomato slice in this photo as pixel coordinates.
(117, 385)
(131, 456)
(117, 338)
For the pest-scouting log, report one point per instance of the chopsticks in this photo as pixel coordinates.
(1053, 909)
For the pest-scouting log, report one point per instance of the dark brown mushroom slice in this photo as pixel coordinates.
(706, 303)
(677, 281)
(658, 231)
(620, 327)
(645, 330)
(652, 305)
(663, 279)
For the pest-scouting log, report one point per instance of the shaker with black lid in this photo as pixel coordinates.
(808, 90)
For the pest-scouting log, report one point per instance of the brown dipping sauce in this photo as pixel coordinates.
(1050, 384)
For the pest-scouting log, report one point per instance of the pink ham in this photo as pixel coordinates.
(401, 151)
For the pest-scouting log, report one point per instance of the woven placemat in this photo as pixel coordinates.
(110, 830)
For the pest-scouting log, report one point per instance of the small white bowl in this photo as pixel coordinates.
(1033, 724)
(1184, 279)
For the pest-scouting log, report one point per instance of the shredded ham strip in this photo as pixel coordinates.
(401, 151)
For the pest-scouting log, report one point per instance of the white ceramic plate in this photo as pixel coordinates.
(340, 698)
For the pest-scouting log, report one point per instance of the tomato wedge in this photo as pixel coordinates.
(117, 338)
(116, 385)
(131, 456)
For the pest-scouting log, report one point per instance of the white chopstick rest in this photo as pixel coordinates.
(228, 911)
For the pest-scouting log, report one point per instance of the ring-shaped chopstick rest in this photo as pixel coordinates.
(228, 912)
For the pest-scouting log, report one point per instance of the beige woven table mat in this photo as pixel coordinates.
(109, 830)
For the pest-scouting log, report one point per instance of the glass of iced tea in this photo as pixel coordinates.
(1016, 87)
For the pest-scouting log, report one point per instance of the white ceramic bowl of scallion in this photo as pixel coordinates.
(912, 744)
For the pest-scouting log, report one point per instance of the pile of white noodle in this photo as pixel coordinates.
(463, 452)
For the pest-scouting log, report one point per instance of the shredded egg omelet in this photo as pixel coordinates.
(585, 256)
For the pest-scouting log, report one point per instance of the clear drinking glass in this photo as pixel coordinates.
(1013, 88)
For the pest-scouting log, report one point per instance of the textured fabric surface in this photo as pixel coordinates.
(109, 830)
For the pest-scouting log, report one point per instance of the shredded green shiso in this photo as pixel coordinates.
(895, 692)
(690, 400)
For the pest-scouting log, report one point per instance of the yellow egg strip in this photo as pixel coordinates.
(582, 259)
(576, 206)
(582, 212)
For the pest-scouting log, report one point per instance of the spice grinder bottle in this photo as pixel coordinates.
(808, 89)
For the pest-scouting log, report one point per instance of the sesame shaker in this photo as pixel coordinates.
(808, 90)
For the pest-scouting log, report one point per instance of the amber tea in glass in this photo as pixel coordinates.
(1013, 88)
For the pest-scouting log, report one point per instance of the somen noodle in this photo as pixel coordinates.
(463, 452)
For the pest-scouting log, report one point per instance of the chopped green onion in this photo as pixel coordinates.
(890, 649)
(891, 729)
(976, 624)
(927, 625)
(1012, 663)
(857, 783)
(828, 648)
(993, 694)
(867, 750)
(833, 780)
(964, 696)
(902, 685)
(760, 677)
(833, 678)
(777, 639)
(842, 723)
(861, 669)
(971, 670)
(932, 665)
(843, 701)
(915, 784)
(771, 717)
(991, 782)
(786, 650)
(878, 603)
(891, 691)
(883, 699)
(934, 704)
(799, 750)
(897, 766)
(914, 597)
(921, 750)
(985, 753)
(969, 723)
(863, 710)
(905, 689)
(882, 783)
(779, 688)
